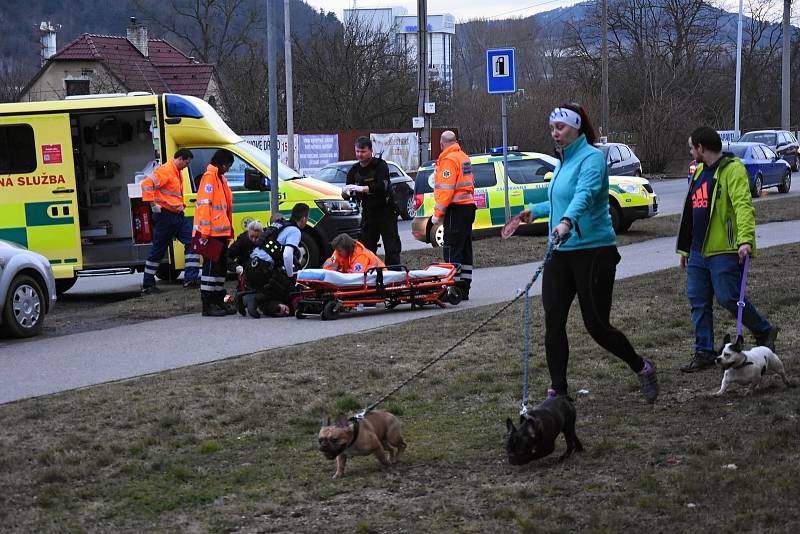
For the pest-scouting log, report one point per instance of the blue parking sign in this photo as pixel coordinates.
(501, 71)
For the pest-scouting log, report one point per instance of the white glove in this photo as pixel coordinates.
(434, 220)
(239, 270)
(348, 189)
(155, 208)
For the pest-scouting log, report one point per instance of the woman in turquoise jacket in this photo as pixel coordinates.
(586, 261)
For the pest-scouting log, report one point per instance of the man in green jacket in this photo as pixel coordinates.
(718, 230)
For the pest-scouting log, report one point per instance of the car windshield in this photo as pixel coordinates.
(332, 175)
(421, 183)
(759, 137)
(737, 150)
(284, 171)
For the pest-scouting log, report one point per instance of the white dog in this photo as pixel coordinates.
(747, 367)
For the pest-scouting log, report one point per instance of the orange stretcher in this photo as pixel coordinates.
(330, 293)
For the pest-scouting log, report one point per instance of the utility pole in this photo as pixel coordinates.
(273, 105)
(604, 120)
(738, 71)
(287, 57)
(422, 77)
(787, 37)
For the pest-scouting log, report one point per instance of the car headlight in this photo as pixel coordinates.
(629, 188)
(338, 207)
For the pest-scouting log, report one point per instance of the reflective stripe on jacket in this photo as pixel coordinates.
(164, 186)
(360, 261)
(213, 212)
(453, 181)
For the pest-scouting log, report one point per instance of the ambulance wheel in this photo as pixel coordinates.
(330, 311)
(166, 272)
(309, 252)
(617, 221)
(23, 313)
(453, 295)
(65, 284)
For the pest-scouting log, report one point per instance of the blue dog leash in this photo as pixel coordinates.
(740, 302)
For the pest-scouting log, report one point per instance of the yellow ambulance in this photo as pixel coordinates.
(70, 173)
(629, 197)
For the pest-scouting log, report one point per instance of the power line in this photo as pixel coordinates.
(537, 4)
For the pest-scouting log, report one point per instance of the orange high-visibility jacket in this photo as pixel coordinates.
(359, 261)
(453, 182)
(164, 186)
(213, 213)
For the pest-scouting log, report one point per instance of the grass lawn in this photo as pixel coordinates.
(491, 251)
(231, 446)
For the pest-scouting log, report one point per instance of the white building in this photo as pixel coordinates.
(402, 28)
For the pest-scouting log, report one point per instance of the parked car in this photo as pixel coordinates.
(630, 197)
(782, 142)
(620, 159)
(27, 290)
(764, 167)
(336, 174)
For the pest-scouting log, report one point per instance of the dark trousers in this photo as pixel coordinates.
(382, 224)
(167, 226)
(457, 247)
(212, 281)
(590, 274)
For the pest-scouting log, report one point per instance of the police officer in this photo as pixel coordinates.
(368, 181)
(455, 207)
(163, 189)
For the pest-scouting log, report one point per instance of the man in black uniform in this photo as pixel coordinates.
(368, 181)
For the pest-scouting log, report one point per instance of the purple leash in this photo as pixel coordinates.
(740, 303)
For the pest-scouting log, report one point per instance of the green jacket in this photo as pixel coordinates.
(732, 221)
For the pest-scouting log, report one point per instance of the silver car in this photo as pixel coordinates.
(27, 290)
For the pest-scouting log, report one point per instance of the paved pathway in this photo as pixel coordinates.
(49, 365)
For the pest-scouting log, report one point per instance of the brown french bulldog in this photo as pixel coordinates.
(377, 433)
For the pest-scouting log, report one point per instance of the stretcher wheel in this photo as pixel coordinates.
(453, 295)
(299, 315)
(330, 311)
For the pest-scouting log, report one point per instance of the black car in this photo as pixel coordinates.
(620, 159)
(780, 141)
(336, 174)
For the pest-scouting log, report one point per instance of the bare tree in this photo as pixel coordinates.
(215, 30)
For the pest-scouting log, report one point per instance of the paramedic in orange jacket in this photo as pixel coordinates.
(455, 207)
(163, 189)
(213, 220)
(351, 256)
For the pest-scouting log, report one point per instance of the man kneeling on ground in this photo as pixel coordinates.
(269, 272)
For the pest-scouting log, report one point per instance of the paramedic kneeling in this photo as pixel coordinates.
(351, 256)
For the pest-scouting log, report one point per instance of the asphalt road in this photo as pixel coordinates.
(47, 365)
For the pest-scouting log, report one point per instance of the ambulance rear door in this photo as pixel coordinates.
(38, 199)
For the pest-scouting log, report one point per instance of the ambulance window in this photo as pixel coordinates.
(484, 175)
(528, 171)
(17, 149)
(235, 175)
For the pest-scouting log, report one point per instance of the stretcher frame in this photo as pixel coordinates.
(329, 300)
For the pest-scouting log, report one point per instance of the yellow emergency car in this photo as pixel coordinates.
(70, 173)
(630, 197)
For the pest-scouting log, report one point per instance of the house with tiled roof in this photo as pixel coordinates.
(97, 64)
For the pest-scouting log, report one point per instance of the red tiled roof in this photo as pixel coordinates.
(166, 70)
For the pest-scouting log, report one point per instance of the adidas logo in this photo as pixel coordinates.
(700, 196)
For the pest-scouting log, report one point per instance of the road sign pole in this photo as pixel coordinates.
(504, 113)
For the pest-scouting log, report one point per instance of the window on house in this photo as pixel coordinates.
(76, 87)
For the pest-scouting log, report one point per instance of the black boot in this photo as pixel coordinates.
(210, 308)
(240, 303)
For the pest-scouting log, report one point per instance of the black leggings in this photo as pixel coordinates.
(589, 273)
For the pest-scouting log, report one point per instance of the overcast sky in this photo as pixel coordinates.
(461, 10)
(495, 9)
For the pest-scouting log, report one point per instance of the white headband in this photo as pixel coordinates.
(567, 116)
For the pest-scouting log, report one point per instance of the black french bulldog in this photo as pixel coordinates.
(538, 430)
